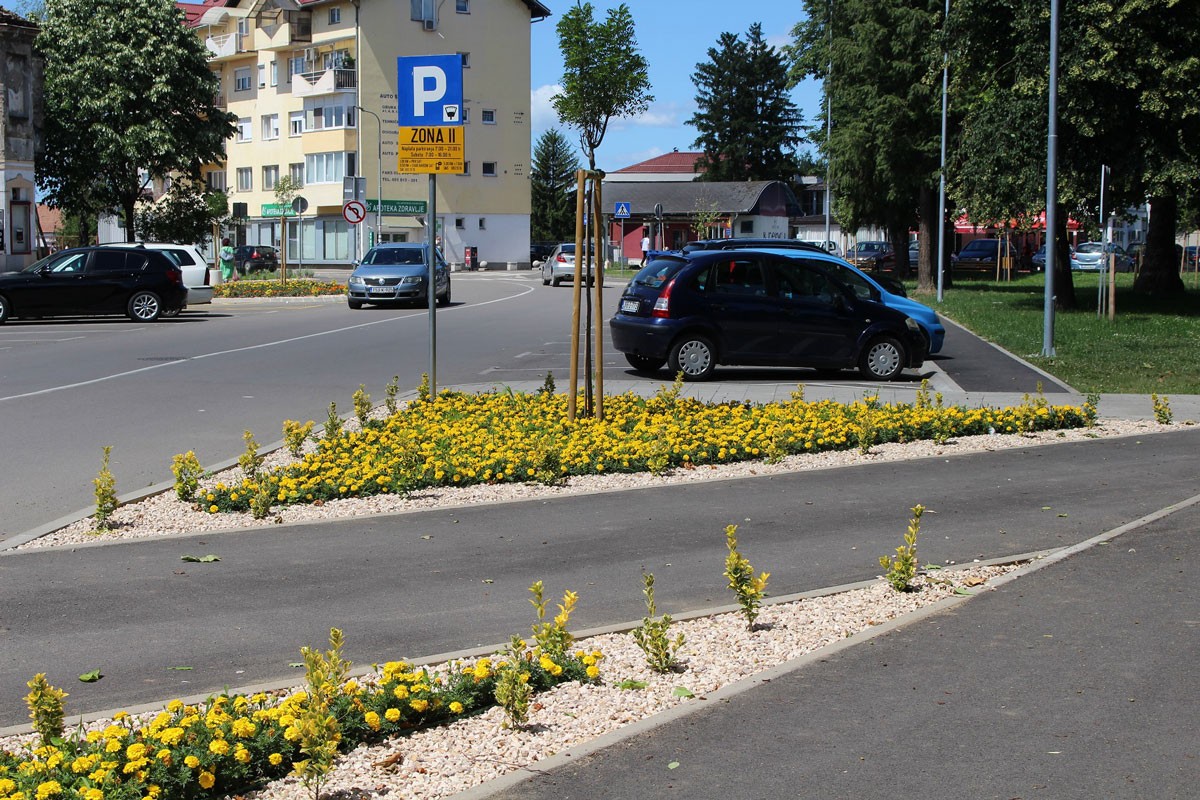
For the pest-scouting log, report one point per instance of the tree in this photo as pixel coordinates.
(128, 97)
(604, 75)
(880, 69)
(747, 125)
(552, 185)
(185, 214)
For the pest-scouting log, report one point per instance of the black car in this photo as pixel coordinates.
(255, 257)
(83, 281)
(745, 243)
(540, 251)
(759, 308)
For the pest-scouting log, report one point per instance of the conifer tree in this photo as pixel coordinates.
(552, 184)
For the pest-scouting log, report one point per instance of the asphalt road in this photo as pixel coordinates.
(419, 584)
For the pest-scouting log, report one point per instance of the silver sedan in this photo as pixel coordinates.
(396, 272)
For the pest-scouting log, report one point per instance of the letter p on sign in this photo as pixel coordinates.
(430, 89)
(429, 86)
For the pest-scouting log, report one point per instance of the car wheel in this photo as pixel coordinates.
(144, 307)
(545, 281)
(555, 281)
(444, 300)
(354, 304)
(644, 363)
(694, 357)
(882, 360)
(3, 309)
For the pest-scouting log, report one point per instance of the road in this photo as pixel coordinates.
(425, 583)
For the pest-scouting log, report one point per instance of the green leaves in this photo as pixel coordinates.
(91, 676)
(208, 559)
(630, 684)
(682, 691)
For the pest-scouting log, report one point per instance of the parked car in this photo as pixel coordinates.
(396, 272)
(870, 255)
(194, 266)
(759, 308)
(1039, 259)
(85, 281)
(540, 251)
(559, 266)
(982, 254)
(255, 257)
(1190, 255)
(888, 262)
(829, 246)
(1093, 257)
(745, 242)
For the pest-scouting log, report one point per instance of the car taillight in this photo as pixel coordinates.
(206, 277)
(561, 258)
(662, 306)
(175, 275)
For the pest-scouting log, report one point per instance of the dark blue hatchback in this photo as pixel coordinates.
(758, 308)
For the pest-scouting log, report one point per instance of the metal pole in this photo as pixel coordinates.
(829, 121)
(379, 185)
(1051, 189)
(941, 250)
(431, 241)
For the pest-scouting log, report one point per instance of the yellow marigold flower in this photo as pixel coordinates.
(164, 756)
(243, 728)
(291, 733)
(372, 720)
(593, 672)
(48, 789)
(171, 736)
(153, 791)
(191, 761)
(93, 794)
(233, 496)
(400, 692)
(135, 751)
(207, 779)
(175, 706)
(120, 715)
(218, 747)
(392, 715)
(242, 755)
(7, 785)
(456, 707)
(213, 509)
(419, 705)
(112, 746)
(276, 759)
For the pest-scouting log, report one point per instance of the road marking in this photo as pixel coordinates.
(261, 346)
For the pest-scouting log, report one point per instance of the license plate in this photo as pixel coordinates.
(630, 306)
(382, 290)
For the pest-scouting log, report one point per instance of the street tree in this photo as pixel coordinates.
(129, 97)
(185, 214)
(552, 188)
(747, 126)
(605, 77)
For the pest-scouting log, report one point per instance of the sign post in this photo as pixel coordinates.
(430, 95)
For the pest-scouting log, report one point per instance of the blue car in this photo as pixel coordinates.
(761, 307)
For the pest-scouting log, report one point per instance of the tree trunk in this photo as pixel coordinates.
(1064, 282)
(898, 231)
(1160, 268)
(927, 235)
(127, 204)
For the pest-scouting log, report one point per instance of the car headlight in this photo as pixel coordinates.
(408, 280)
(356, 281)
(912, 324)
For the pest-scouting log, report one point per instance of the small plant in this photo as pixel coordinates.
(1162, 409)
(250, 461)
(798, 394)
(750, 590)
(262, 497)
(390, 392)
(513, 691)
(653, 635)
(187, 471)
(333, 424)
(865, 423)
(424, 394)
(295, 435)
(317, 727)
(548, 387)
(922, 401)
(362, 405)
(45, 704)
(106, 493)
(552, 638)
(902, 567)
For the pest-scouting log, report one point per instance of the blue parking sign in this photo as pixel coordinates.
(430, 90)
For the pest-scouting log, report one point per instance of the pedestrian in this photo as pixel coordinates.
(645, 246)
(225, 256)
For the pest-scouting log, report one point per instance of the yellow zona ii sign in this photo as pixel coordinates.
(429, 149)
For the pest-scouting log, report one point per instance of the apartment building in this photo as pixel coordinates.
(313, 85)
(20, 139)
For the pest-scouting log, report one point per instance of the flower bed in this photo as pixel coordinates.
(273, 288)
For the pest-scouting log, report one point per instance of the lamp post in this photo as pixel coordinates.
(379, 185)
(941, 248)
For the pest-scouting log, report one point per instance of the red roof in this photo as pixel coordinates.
(673, 162)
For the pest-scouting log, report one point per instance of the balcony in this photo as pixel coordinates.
(326, 81)
(226, 45)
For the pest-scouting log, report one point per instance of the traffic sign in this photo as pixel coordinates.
(300, 205)
(354, 212)
(431, 149)
(622, 211)
(430, 90)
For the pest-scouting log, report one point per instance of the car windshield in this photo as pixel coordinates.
(568, 249)
(59, 262)
(395, 255)
(657, 272)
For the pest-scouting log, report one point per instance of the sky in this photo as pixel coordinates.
(674, 36)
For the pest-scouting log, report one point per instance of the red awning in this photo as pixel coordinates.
(963, 225)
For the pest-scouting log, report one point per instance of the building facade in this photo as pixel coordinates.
(21, 71)
(313, 85)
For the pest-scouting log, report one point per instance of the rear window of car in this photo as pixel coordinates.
(658, 272)
(1090, 247)
(980, 247)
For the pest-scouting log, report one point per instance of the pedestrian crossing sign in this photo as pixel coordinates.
(622, 211)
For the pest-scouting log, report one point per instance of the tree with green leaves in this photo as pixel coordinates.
(604, 75)
(552, 188)
(185, 214)
(128, 98)
(747, 125)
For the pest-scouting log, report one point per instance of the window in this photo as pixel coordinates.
(244, 134)
(215, 181)
(270, 177)
(270, 126)
(466, 58)
(466, 115)
(113, 261)
(319, 114)
(488, 116)
(245, 179)
(241, 79)
(462, 6)
(327, 167)
(746, 226)
(296, 65)
(296, 173)
(482, 224)
(274, 73)
(335, 15)
(262, 76)
(460, 223)
(295, 123)
(20, 217)
(466, 168)
(739, 276)
(489, 169)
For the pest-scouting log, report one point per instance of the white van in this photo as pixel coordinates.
(195, 268)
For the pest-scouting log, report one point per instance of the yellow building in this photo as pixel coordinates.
(312, 82)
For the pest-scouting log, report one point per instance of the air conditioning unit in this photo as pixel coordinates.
(429, 24)
(310, 54)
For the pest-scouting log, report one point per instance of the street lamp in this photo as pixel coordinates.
(379, 185)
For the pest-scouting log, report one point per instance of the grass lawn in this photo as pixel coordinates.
(1152, 346)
